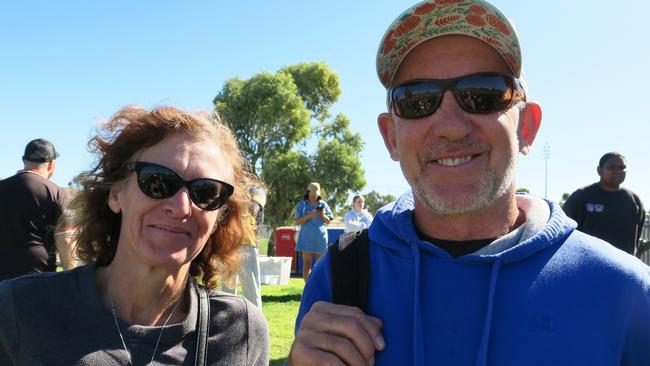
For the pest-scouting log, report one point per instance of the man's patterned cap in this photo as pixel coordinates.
(436, 18)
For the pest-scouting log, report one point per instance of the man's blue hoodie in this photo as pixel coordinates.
(546, 295)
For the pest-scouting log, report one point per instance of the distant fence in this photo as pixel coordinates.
(645, 241)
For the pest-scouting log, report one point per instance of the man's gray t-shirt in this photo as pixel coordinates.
(59, 319)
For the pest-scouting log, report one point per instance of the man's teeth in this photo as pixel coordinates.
(454, 161)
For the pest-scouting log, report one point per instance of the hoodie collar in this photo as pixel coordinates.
(393, 228)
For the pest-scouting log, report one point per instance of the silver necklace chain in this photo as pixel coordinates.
(110, 297)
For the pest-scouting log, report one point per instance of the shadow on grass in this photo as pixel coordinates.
(278, 362)
(281, 298)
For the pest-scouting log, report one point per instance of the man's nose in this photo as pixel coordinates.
(450, 121)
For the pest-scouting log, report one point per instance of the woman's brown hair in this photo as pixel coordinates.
(131, 130)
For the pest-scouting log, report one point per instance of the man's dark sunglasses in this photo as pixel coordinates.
(475, 93)
(157, 181)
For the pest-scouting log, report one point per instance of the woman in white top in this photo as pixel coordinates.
(357, 218)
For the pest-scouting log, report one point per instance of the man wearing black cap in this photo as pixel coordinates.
(31, 207)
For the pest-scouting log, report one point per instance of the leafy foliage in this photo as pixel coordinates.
(317, 85)
(275, 117)
(266, 113)
(337, 163)
(375, 201)
(286, 177)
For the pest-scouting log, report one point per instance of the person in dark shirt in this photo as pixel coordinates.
(32, 206)
(606, 210)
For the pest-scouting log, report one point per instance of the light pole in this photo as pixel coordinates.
(547, 155)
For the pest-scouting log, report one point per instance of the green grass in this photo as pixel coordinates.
(263, 246)
(280, 306)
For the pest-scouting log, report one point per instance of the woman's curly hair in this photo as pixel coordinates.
(128, 132)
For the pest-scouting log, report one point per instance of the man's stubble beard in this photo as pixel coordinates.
(490, 189)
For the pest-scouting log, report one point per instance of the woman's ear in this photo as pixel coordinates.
(530, 118)
(114, 201)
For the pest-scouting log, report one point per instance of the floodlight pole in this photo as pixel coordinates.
(547, 155)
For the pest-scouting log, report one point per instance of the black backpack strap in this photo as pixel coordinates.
(203, 326)
(350, 265)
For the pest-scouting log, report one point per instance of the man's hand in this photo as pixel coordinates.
(333, 334)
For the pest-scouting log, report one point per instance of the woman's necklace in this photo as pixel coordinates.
(110, 297)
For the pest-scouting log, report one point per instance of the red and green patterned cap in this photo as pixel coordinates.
(436, 18)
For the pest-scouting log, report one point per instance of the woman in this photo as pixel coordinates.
(163, 209)
(312, 214)
(357, 218)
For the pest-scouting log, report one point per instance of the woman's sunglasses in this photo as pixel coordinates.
(157, 181)
(475, 93)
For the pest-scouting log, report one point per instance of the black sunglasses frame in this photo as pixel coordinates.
(179, 182)
(512, 84)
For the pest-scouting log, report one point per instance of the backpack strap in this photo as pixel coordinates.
(203, 326)
(350, 265)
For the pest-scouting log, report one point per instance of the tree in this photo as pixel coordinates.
(285, 176)
(523, 190)
(317, 85)
(275, 117)
(336, 162)
(375, 201)
(265, 112)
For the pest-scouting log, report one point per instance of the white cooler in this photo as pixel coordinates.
(275, 270)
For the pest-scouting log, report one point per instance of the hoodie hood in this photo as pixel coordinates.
(545, 226)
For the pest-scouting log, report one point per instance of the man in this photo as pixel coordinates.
(31, 207)
(462, 270)
(606, 210)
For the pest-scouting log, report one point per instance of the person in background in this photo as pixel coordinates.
(31, 208)
(462, 270)
(606, 210)
(357, 218)
(249, 271)
(161, 217)
(312, 215)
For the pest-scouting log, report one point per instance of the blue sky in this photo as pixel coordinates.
(66, 64)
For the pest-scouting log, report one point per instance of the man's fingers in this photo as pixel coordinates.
(305, 356)
(370, 324)
(344, 348)
(333, 334)
(379, 339)
(302, 354)
(348, 322)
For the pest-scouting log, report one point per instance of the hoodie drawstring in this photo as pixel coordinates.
(481, 360)
(418, 334)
